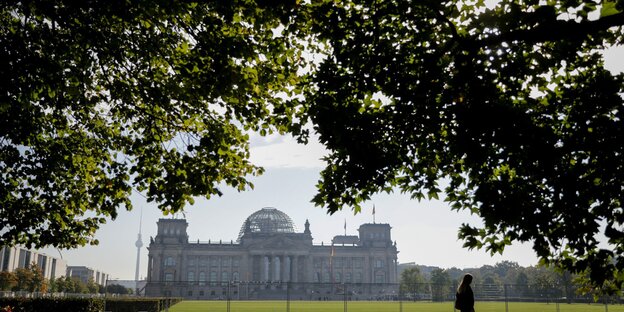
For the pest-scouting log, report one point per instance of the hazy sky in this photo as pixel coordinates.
(425, 232)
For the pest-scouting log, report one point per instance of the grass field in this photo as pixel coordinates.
(376, 306)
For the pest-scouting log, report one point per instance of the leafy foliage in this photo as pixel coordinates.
(100, 98)
(52, 304)
(529, 282)
(511, 107)
(28, 279)
(412, 282)
(440, 283)
(24, 279)
(117, 289)
(7, 280)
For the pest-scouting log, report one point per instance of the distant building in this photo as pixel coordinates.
(404, 266)
(84, 274)
(268, 250)
(12, 258)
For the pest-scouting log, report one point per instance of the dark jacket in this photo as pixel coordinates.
(465, 301)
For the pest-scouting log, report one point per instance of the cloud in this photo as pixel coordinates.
(256, 140)
(280, 151)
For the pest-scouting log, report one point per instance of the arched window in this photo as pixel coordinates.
(213, 278)
(190, 277)
(225, 277)
(235, 276)
(326, 277)
(202, 278)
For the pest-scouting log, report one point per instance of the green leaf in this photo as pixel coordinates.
(608, 8)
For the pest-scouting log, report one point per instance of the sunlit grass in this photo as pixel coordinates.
(376, 306)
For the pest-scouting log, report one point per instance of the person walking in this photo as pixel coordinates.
(464, 298)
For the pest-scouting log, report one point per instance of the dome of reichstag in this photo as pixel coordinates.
(268, 220)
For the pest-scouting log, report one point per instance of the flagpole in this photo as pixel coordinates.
(374, 214)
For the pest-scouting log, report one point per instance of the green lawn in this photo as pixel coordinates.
(375, 306)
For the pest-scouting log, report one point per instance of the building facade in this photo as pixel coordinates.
(13, 258)
(84, 274)
(268, 251)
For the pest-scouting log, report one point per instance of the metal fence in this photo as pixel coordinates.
(290, 296)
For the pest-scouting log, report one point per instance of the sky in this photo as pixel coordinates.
(425, 231)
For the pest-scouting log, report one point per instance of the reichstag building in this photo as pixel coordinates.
(268, 257)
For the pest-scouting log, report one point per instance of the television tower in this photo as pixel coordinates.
(138, 244)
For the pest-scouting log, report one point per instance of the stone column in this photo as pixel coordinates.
(158, 262)
(253, 261)
(294, 269)
(266, 268)
(242, 267)
(308, 269)
(276, 267)
(246, 263)
(149, 268)
(178, 268)
(286, 269)
(393, 271)
(304, 277)
(368, 270)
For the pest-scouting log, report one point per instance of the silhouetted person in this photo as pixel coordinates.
(464, 298)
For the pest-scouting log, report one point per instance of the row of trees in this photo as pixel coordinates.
(31, 279)
(517, 281)
(24, 279)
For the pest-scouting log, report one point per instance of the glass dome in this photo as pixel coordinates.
(267, 220)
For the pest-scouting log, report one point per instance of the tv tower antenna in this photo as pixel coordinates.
(138, 244)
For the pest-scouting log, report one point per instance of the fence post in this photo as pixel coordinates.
(344, 291)
(228, 297)
(288, 296)
(401, 299)
(506, 299)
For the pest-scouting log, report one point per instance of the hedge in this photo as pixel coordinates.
(53, 304)
(139, 304)
(87, 304)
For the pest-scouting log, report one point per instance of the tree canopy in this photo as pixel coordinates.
(507, 111)
(99, 98)
(412, 282)
(440, 284)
